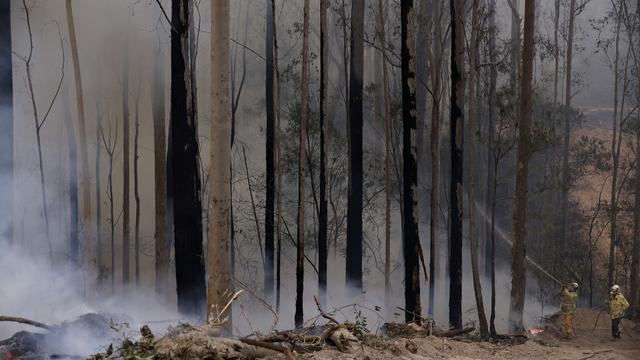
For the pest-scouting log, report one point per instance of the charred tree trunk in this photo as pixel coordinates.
(6, 124)
(455, 189)
(472, 115)
(304, 99)
(514, 7)
(110, 149)
(567, 139)
(354, 209)
(434, 210)
(635, 257)
(126, 228)
(519, 250)
(162, 245)
(136, 192)
(219, 250)
(270, 155)
(322, 216)
(278, 156)
(613, 214)
(186, 184)
(410, 239)
(387, 157)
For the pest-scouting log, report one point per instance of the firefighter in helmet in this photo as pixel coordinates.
(617, 305)
(568, 306)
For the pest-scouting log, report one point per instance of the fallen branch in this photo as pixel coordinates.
(322, 312)
(279, 348)
(454, 332)
(24, 321)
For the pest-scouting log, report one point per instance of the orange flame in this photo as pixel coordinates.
(536, 331)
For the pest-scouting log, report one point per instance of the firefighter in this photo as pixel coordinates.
(617, 305)
(568, 306)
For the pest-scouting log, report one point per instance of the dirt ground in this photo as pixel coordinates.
(550, 345)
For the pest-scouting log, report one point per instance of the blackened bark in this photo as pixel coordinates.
(304, 99)
(455, 185)
(567, 139)
(126, 229)
(270, 154)
(493, 80)
(187, 207)
(354, 209)
(6, 124)
(322, 215)
(410, 240)
(519, 249)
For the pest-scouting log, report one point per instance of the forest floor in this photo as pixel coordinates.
(332, 341)
(589, 343)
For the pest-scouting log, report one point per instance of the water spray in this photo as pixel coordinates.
(504, 237)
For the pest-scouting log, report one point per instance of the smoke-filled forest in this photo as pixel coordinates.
(319, 179)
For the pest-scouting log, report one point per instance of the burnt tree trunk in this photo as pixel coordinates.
(434, 209)
(126, 228)
(519, 250)
(354, 208)
(410, 239)
(455, 189)
(186, 184)
(322, 215)
(567, 141)
(270, 159)
(6, 124)
(304, 99)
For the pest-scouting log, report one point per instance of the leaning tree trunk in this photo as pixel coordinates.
(354, 208)
(567, 141)
(162, 245)
(472, 114)
(186, 184)
(219, 250)
(387, 159)
(410, 239)
(6, 125)
(304, 99)
(85, 184)
(455, 189)
(322, 216)
(519, 250)
(126, 229)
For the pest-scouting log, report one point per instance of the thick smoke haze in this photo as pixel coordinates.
(32, 287)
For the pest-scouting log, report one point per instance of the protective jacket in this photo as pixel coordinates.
(617, 306)
(568, 301)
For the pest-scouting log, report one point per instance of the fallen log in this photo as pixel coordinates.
(454, 332)
(279, 348)
(24, 321)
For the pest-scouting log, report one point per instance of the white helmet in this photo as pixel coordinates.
(574, 285)
(615, 288)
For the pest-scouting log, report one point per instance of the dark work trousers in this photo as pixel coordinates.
(615, 328)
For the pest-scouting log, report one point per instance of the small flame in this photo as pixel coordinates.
(536, 331)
